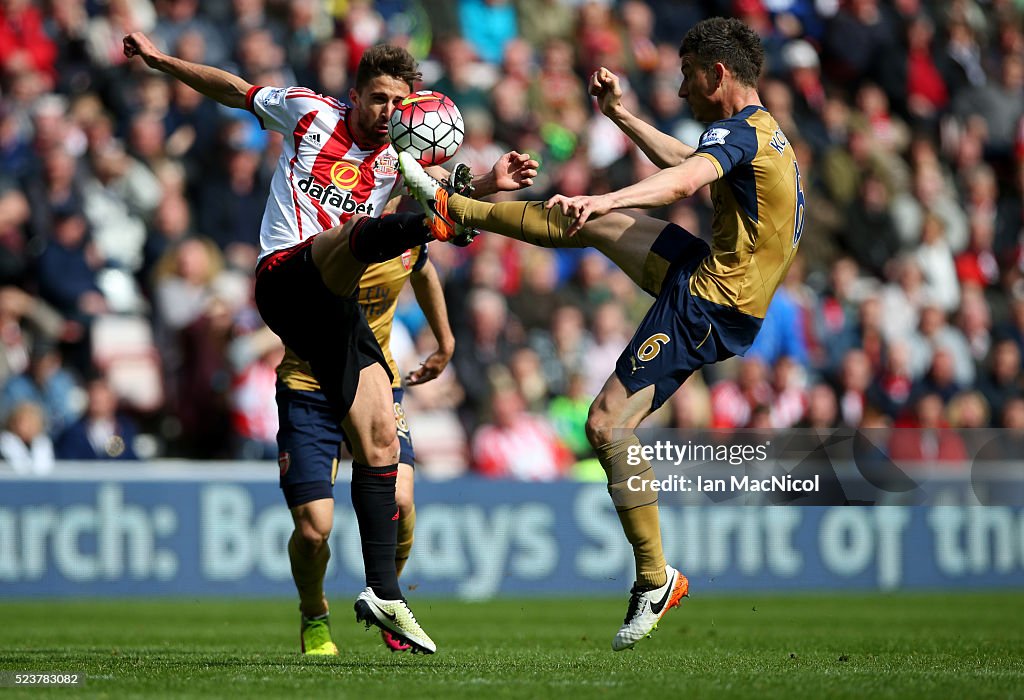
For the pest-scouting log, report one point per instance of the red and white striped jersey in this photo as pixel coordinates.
(323, 177)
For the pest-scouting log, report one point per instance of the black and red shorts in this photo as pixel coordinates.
(327, 331)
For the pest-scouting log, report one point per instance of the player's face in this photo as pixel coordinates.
(697, 88)
(373, 107)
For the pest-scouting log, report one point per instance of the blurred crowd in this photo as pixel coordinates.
(130, 210)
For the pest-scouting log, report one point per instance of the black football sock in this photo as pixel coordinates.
(376, 240)
(373, 499)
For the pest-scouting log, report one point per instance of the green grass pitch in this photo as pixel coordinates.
(742, 646)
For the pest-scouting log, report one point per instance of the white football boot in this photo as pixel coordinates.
(646, 608)
(395, 617)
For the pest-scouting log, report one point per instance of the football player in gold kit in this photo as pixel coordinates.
(709, 300)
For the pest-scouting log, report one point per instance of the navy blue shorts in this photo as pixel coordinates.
(676, 337)
(309, 440)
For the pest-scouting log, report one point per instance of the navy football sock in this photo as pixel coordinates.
(376, 240)
(373, 498)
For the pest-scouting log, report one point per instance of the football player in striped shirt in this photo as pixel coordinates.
(325, 222)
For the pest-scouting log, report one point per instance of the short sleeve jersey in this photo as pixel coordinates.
(758, 212)
(323, 176)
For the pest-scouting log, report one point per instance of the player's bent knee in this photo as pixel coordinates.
(600, 427)
(382, 446)
(311, 539)
(404, 500)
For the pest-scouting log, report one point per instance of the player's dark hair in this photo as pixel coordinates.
(385, 59)
(729, 42)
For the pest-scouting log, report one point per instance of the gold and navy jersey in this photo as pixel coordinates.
(758, 215)
(379, 288)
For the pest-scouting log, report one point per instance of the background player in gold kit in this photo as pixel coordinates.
(709, 301)
(310, 437)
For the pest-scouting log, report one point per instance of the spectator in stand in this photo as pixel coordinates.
(484, 343)
(930, 193)
(835, 319)
(855, 377)
(539, 294)
(926, 439)
(999, 103)
(999, 450)
(610, 333)
(977, 264)
(857, 38)
(1002, 382)
(870, 233)
(254, 420)
(515, 444)
(974, 321)
(179, 17)
(24, 444)
(59, 189)
(926, 74)
(902, 298)
(557, 95)
(102, 432)
(543, 20)
(564, 348)
(822, 409)
(968, 412)
(894, 386)
(463, 75)
(784, 331)
(691, 406)
(940, 379)
(568, 415)
(935, 259)
(1014, 327)
(528, 376)
(24, 42)
(106, 30)
(733, 400)
(120, 194)
(789, 385)
(68, 267)
(27, 322)
(231, 203)
(934, 332)
(46, 383)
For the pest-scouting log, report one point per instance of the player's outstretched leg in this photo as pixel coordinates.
(447, 211)
(433, 197)
(628, 239)
(658, 586)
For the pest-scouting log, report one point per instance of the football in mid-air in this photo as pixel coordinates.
(428, 126)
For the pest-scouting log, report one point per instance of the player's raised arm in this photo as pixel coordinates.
(664, 151)
(427, 286)
(228, 89)
(512, 171)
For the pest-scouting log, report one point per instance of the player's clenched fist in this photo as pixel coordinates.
(138, 44)
(604, 85)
